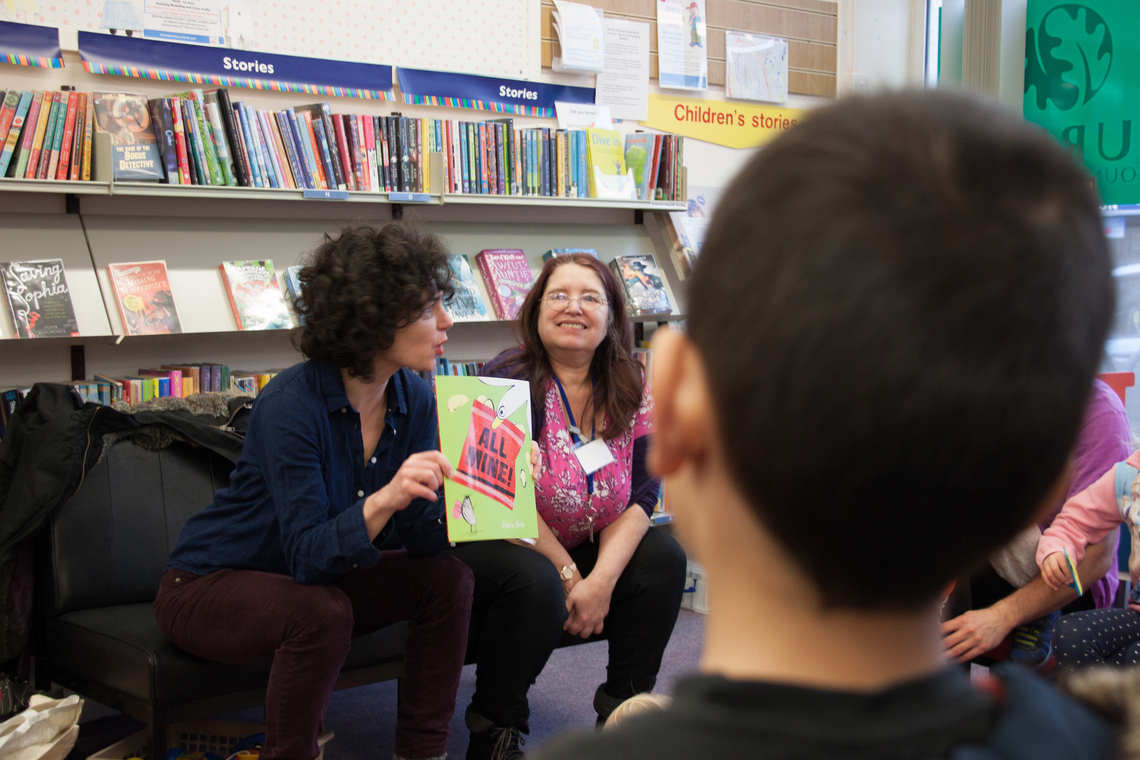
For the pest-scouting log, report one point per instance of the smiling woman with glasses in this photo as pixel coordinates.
(596, 569)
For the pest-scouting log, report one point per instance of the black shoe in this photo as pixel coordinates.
(604, 704)
(491, 742)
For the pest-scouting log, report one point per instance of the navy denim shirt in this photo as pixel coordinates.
(295, 504)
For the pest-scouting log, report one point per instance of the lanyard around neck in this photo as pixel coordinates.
(575, 433)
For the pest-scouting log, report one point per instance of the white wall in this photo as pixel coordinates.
(882, 43)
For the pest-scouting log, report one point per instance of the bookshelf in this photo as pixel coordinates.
(196, 228)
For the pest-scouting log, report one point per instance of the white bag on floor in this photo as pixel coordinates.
(47, 730)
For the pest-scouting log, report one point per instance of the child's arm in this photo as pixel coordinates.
(1085, 519)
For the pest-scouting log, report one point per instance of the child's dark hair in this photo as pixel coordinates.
(361, 286)
(901, 304)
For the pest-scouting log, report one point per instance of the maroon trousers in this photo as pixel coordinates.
(244, 616)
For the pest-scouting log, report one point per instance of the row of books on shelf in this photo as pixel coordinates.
(46, 134)
(177, 380)
(40, 302)
(202, 137)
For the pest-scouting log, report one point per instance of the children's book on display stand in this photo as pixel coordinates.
(485, 433)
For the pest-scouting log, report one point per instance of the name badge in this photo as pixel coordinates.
(594, 455)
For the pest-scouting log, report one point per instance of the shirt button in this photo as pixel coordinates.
(344, 410)
(373, 460)
(360, 493)
(354, 567)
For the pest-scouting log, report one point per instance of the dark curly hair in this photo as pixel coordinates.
(358, 288)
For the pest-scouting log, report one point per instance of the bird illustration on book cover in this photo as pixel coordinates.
(484, 429)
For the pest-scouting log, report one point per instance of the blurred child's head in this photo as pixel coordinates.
(895, 319)
(638, 703)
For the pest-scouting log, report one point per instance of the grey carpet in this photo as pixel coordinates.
(364, 718)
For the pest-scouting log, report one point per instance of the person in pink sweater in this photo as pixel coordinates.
(1109, 636)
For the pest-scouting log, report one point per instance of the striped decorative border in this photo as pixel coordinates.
(518, 110)
(19, 59)
(252, 84)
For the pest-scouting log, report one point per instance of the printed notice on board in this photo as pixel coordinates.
(194, 21)
(682, 45)
(580, 33)
(624, 86)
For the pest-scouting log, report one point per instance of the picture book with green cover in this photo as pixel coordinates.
(484, 431)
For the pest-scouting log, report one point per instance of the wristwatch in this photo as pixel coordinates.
(567, 572)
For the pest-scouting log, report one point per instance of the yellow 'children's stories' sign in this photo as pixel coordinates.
(730, 123)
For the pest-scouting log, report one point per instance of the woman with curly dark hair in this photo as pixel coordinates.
(595, 567)
(284, 564)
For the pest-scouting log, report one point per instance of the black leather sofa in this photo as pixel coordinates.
(98, 566)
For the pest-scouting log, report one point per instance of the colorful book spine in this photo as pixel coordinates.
(19, 116)
(325, 117)
(356, 151)
(368, 138)
(57, 135)
(194, 142)
(163, 124)
(206, 134)
(8, 103)
(88, 134)
(304, 139)
(49, 134)
(77, 139)
(291, 177)
(416, 149)
(67, 137)
(47, 109)
(241, 111)
(221, 145)
(180, 149)
(289, 133)
(382, 153)
(240, 160)
(29, 135)
(266, 156)
(342, 151)
(327, 144)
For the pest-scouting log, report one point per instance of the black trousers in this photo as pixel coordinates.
(519, 608)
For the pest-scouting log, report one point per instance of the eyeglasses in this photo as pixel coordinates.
(561, 301)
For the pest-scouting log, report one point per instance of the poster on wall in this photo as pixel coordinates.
(195, 21)
(682, 45)
(1082, 84)
(755, 67)
(624, 86)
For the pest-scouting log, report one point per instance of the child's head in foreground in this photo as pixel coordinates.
(897, 313)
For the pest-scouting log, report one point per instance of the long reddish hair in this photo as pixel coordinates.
(618, 377)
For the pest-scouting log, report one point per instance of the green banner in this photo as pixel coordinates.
(1082, 83)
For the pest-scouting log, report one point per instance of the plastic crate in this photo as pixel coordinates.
(196, 736)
